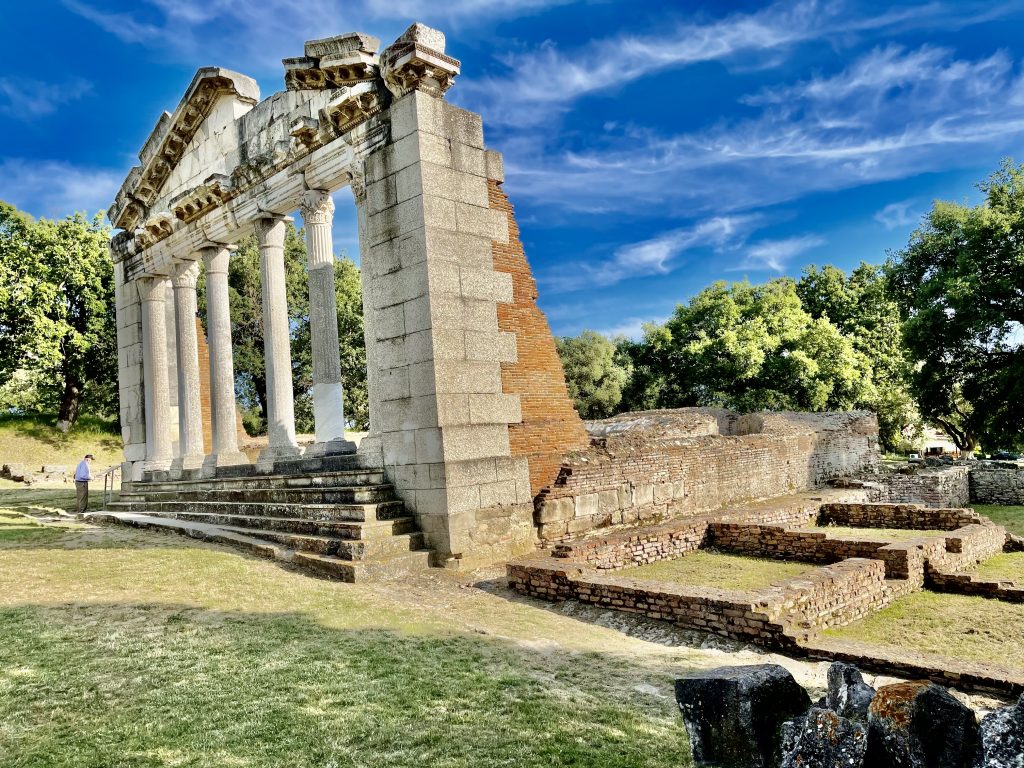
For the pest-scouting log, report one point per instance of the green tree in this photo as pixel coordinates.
(57, 315)
(748, 347)
(859, 305)
(245, 295)
(960, 287)
(595, 373)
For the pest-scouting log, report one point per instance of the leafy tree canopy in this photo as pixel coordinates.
(56, 311)
(959, 284)
(595, 373)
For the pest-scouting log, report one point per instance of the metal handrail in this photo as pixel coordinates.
(108, 483)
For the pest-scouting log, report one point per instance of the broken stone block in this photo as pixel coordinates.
(1001, 742)
(920, 725)
(848, 695)
(733, 714)
(826, 740)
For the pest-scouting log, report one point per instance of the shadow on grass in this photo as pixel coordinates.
(150, 685)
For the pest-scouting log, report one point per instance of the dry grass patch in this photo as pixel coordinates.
(969, 628)
(126, 648)
(1011, 518)
(1008, 566)
(713, 569)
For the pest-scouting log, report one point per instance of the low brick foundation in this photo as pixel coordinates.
(997, 484)
(908, 516)
(970, 584)
(933, 487)
(644, 475)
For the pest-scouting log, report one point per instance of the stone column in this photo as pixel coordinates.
(328, 394)
(224, 451)
(153, 293)
(276, 344)
(190, 418)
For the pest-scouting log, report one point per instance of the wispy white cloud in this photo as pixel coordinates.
(898, 214)
(55, 189)
(631, 327)
(27, 99)
(258, 34)
(658, 255)
(776, 255)
(890, 114)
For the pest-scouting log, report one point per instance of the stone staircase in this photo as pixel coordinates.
(327, 515)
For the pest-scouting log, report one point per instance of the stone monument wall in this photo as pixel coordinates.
(997, 484)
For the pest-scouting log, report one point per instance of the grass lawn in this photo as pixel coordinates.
(34, 440)
(122, 648)
(970, 628)
(1011, 518)
(1008, 566)
(711, 569)
(873, 534)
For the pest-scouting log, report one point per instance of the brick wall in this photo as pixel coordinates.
(550, 425)
(945, 487)
(997, 484)
(627, 480)
(910, 516)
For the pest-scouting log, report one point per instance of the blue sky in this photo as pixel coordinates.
(650, 148)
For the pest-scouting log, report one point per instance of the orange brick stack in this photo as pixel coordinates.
(550, 425)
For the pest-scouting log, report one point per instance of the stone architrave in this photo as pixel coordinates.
(270, 231)
(153, 293)
(190, 419)
(224, 449)
(328, 393)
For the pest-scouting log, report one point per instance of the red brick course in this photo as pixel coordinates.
(550, 424)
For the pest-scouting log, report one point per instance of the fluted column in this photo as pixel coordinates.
(190, 416)
(277, 352)
(153, 293)
(224, 450)
(328, 394)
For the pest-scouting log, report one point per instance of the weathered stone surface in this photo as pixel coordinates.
(826, 740)
(848, 694)
(920, 725)
(1001, 744)
(733, 714)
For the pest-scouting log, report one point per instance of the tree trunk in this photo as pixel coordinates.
(70, 404)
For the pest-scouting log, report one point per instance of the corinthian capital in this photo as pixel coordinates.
(317, 207)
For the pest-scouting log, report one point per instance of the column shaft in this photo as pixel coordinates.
(276, 343)
(190, 417)
(153, 292)
(222, 368)
(328, 394)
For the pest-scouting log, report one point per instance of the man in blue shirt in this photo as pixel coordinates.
(83, 474)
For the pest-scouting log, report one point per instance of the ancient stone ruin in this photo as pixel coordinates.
(469, 414)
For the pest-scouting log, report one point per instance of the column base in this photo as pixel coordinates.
(273, 453)
(155, 470)
(215, 460)
(187, 467)
(329, 448)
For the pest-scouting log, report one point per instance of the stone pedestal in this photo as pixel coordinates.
(224, 450)
(328, 393)
(276, 345)
(190, 419)
(153, 293)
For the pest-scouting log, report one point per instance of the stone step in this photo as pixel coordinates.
(352, 494)
(335, 479)
(195, 530)
(338, 529)
(385, 510)
(371, 569)
(320, 464)
(346, 549)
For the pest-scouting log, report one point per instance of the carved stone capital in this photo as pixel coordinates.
(152, 287)
(186, 275)
(416, 62)
(317, 207)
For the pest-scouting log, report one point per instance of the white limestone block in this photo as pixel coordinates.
(496, 408)
(475, 442)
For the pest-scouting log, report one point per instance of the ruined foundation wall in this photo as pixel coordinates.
(550, 425)
(631, 478)
(946, 487)
(997, 484)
